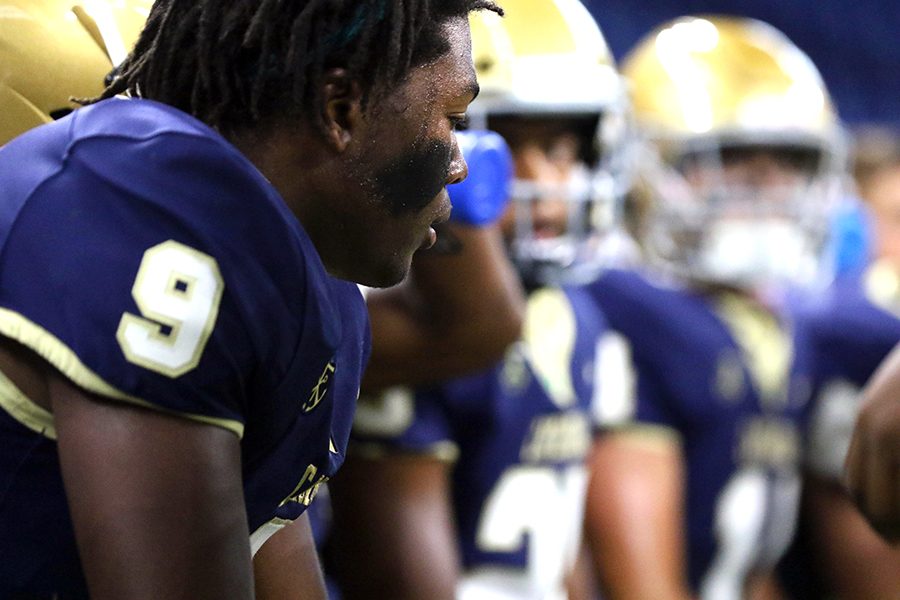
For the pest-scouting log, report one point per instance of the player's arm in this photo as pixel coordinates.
(851, 558)
(462, 304)
(156, 500)
(393, 528)
(634, 515)
(872, 474)
(287, 567)
(857, 563)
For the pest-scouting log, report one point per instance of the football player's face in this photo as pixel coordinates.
(768, 174)
(883, 197)
(409, 159)
(549, 161)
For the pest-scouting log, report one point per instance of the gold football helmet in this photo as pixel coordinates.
(546, 65)
(709, 93)
(52, 50)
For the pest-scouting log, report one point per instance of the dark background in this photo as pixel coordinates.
(855, 43)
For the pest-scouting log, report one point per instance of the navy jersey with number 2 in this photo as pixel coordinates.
(517, 435)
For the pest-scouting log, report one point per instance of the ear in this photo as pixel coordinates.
(341, 107)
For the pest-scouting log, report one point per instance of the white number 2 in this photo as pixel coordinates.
(177, 290)
(545, 505)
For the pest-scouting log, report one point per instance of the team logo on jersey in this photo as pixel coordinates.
(560, 437)
(772, 442)
(515, 375)
(317, 394)
(729, 377)
(305, 491)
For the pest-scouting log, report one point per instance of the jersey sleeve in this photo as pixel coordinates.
(633, 375)
(127, 268)
(615, 394)
(403, 420)
(629, 393)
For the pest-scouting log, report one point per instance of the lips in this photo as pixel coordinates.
(442, 217)
(445, 208)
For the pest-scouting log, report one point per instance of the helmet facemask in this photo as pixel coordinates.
(566, 194)
(749, 153)
(721, 220)
(550, 87)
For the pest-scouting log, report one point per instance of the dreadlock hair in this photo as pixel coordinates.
(234, 63)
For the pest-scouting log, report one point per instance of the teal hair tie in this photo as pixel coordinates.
(349, 33)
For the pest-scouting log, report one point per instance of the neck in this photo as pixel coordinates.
(297, 163)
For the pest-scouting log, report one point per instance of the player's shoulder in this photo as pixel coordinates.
(123, 164)
(140, 150)
(634, 285)
(855, 305)
(639, 299)
(151, 143)
(135, 118)
(587, 313)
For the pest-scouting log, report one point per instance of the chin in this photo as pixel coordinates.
(383, 275)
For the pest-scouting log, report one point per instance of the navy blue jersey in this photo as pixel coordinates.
(517, 435)
(715, 372)
(150, 263)
(852, 328)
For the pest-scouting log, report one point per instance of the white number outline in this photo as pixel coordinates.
(755, 516)
(545, 505)
(141, 337)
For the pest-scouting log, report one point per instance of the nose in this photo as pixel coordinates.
(549, 209)
(459, 168)
(765, 170)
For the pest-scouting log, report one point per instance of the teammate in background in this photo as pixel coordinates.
(474, 488)
(265, 153)
(695, 483)
(852, 328)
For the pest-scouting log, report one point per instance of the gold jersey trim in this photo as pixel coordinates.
(765, 344)
(15, 326)
(550, 333)
(645, 435)
(264, 532)
(23, 410)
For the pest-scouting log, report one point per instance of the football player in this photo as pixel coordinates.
(182, 345)
(695, 483)
(852, 328)
(473, 488)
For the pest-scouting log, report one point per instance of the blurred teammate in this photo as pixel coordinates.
(852, 328)
(180, 353)
(474, 488)
(696, 483)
